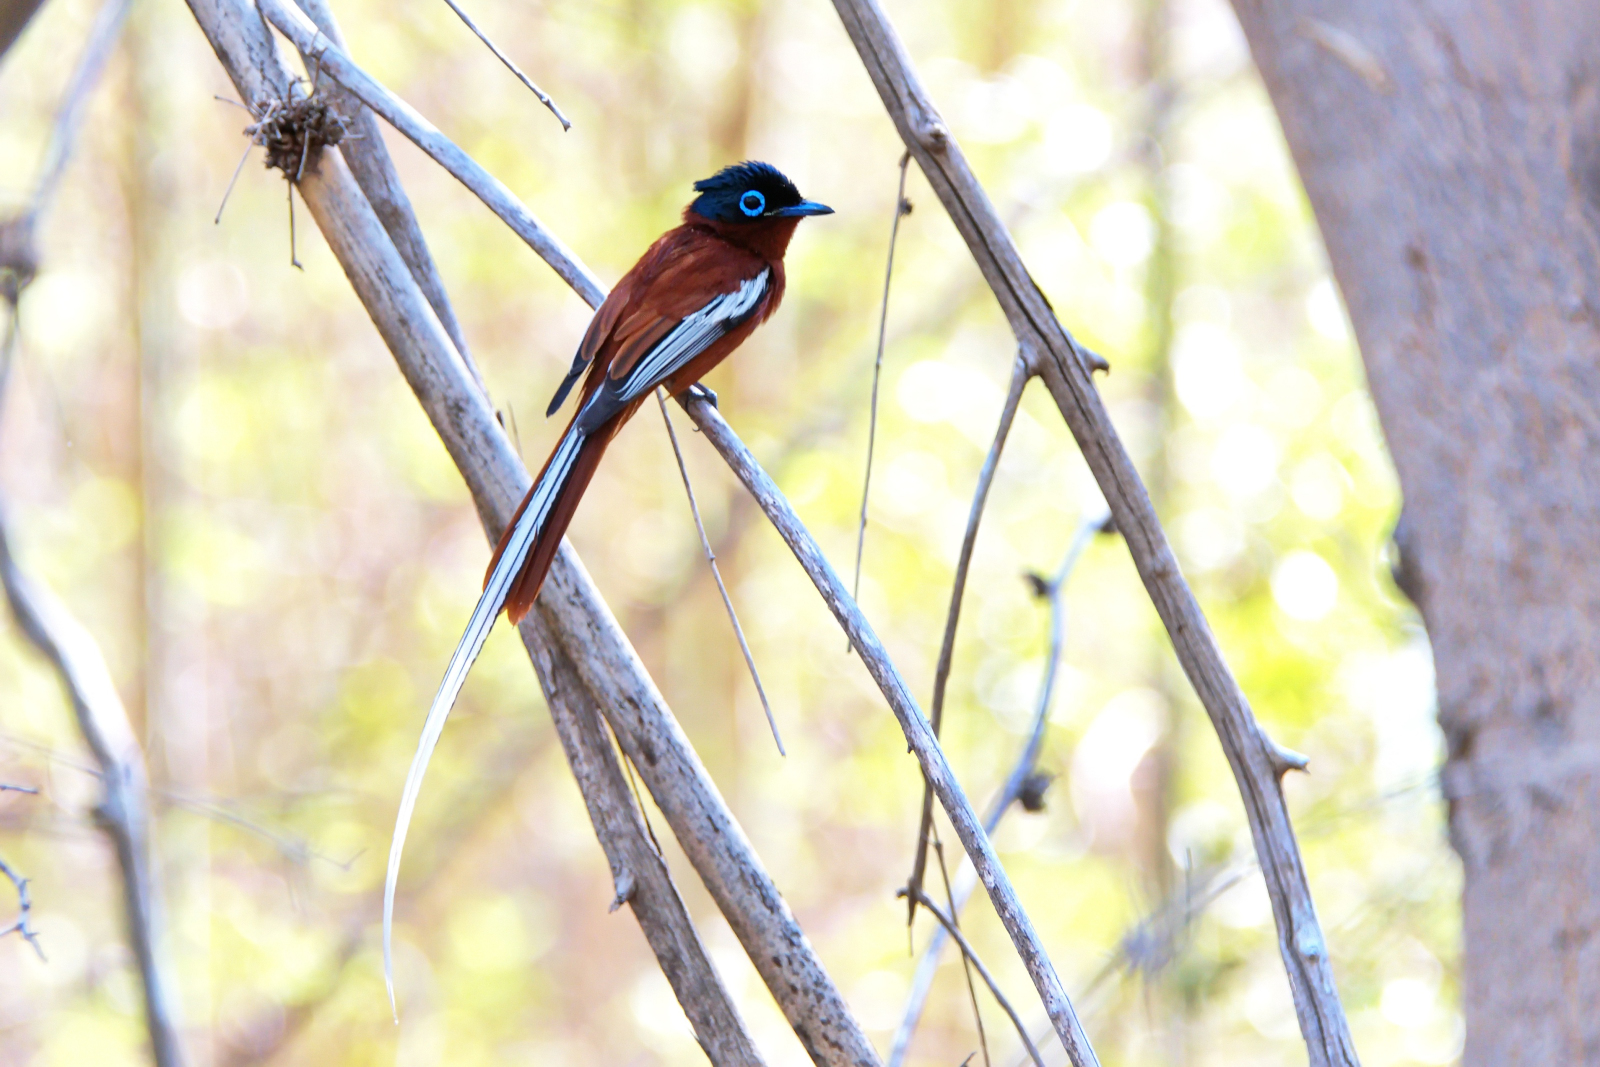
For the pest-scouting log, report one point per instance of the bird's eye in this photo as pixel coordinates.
(752, 203)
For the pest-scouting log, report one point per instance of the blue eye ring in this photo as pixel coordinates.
(752, 203)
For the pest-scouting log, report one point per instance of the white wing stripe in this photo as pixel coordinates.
(693, 335)
(493, 599)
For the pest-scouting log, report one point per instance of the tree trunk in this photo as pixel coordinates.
(14, 18)
(1451, 151)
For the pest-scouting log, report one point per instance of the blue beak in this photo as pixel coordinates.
(804, 207)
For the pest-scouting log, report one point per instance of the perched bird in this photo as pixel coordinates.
(693, 297)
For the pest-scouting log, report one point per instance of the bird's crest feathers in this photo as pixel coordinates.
(745, 192)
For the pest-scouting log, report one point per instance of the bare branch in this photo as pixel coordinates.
(958, 588)
(1256, 762)
(972, 957)
(716, 572)
(69, 116)
(917, 731)
(902, 208)
(966, 964)
(512, 67)
(332, 60)
(374, 171)
(578, 618)
(123, 811)
(638, 871)
(1017, 783)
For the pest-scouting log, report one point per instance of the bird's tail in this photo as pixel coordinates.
(520, 563)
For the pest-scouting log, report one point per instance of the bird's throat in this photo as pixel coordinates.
(767, 238)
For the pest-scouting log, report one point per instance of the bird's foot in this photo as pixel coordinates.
(700, 392)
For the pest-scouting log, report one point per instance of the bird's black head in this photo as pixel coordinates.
(751, 192)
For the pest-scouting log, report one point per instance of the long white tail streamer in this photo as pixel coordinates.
(493, 599)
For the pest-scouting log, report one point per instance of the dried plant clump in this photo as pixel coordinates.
(294, 133)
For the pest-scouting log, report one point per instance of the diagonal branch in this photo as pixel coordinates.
(577, 618)
(1257, 762)
(69, 116)
(958, 588)
(544, 98)
(954, 931)
(1023, 783)
(918, 733)
(374, 171)
(639, 873)
(316, 47)
(123, 812)
(902, 208)
(716, 572)
(329, 59)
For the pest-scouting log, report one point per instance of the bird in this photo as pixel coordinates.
(691, 299)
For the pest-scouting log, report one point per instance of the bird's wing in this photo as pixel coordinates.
(663, 345)
(674, 281)
(600, 328)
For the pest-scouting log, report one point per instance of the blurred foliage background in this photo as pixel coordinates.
(210, 456)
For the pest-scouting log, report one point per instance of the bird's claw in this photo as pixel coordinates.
(700, 392)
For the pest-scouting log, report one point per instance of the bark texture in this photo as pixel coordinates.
(14, 18)
(1451, 151)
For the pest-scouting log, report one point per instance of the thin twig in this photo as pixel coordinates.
(966, 964)
(7, 787)
(512, 67)
(1257, 762)
(1023, 772)
(102, 38)
(570, 612)
(226, 193)
(711, 558)
(902, 207)
(24, 910)
(364, 150)
(123, 811)
(294, 261)
(947, 646)
(971, 956)
(311, 41)
(913, 724)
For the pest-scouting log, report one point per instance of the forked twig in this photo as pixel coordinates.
(571, 599)
(512, 67)
(902, 208)
(972, 957)
(959, 810)
(716, 572)
(1257, 762)
(958, 588)
(24, 909)
(1022, 783)
(966, 964)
